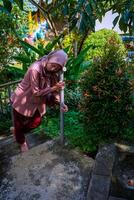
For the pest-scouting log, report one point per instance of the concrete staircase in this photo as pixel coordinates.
(48, 171)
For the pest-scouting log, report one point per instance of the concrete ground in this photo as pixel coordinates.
(47, 171)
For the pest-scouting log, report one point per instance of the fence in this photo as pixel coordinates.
(5, 93)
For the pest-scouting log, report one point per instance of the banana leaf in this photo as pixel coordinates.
(78, 64)
(22, 58)
(51, 45)
(28, 46)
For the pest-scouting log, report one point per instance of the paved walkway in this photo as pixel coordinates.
(47, 171)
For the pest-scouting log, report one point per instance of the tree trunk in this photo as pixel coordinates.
(82, 41)
(48, 17)
(75, 48)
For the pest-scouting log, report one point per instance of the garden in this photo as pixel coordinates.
(100, 70)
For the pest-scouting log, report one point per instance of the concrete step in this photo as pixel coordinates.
(116, 198)
(9, 147)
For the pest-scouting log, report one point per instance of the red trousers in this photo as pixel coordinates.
(23, 124)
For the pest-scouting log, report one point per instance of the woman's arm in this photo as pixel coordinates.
(35, 85)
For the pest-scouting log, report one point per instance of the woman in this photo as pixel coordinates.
(39, 87)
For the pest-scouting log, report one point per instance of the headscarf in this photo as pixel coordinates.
(59, 57)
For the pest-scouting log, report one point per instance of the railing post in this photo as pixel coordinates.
(9, 96)
(61, 112)
(1, 106)
(5, 94)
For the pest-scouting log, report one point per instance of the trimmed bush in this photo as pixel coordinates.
(106, 100)
(98, 41)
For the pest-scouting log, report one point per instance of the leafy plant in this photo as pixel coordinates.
(72, 96)
(98, 41)
(73, 129)
(5, 124)
(7, 41)
(10, 74)
(30, 53)
(106, 100)
(76, 65)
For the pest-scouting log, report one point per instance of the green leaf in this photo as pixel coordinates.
(84, 65)
(116, 20)
(81, 56)
(89, 10)
(122, 25)
(25, 44)
(65, 10)
(7, 5)
(76, 63)
(23, 59)
(19, 3)
(51, 45)
(67, 49)
(93, 4)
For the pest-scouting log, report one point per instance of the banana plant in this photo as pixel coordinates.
(76, 65)
(31, 53)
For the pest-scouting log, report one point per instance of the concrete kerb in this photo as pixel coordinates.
(100, 182)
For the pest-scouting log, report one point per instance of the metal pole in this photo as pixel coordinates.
(61, 112)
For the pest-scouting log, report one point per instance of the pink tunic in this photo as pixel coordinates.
(30, 93)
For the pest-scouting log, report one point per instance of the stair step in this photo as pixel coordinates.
(116, 198)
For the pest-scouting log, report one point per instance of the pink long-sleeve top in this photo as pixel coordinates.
(30, 93)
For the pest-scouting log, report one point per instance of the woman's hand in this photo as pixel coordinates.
(64, 108)
(60, 85)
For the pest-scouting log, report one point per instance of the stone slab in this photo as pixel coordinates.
(99, 187)
(105, 160)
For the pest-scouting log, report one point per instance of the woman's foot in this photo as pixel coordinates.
(24, 147)
(12, 129)
(131, 182)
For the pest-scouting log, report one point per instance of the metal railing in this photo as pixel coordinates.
(5, 94)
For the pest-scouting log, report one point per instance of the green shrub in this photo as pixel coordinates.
(74, 132)
(7, 40)
(5, 124)
(72, 97)
(73, 129)
(10, 74)
(98, 41)
(106, 100)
